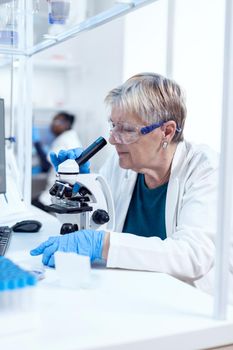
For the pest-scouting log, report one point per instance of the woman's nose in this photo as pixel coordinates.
(113, 138)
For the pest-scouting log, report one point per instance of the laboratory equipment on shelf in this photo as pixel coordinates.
(8, 23)
(58, 11)
(82, 201)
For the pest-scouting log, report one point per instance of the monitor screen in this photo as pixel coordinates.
(2, 148)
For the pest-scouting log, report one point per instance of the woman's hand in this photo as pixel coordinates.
(83, 242)
(69, 154)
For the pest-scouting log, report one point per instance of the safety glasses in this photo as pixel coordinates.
(126, 133)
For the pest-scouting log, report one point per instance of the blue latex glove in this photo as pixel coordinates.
(35, 134)
(83, 242)
(69, 154)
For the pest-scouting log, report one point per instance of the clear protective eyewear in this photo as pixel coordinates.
(126, 133)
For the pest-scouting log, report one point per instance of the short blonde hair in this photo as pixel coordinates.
(153, 98)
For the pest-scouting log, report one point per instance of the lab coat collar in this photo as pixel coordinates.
(122, 204)
(178, 158)
(173, 187)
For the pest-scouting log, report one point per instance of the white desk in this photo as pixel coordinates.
(121, 310)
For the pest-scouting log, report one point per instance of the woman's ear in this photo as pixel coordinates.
(169, 129)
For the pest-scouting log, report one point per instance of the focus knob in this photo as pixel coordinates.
(100, 217)
(68, 228)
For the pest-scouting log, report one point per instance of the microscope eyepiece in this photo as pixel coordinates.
(91, 150)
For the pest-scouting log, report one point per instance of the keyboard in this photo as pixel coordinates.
(5, 237)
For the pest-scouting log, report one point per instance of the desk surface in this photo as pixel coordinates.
(121, 310)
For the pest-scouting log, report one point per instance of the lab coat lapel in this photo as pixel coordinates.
(124, 198)
(171, 205)
(172, 200)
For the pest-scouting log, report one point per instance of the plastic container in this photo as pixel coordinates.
(16, 287)
(74, 271)
(58, 11)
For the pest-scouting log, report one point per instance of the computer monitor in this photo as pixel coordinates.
(2, 148)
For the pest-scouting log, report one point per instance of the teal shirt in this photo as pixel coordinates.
(146, 213)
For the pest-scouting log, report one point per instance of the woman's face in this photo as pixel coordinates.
(144, 153)
(59, 125)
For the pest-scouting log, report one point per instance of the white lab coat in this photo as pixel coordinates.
(67, 140)
(191, 211)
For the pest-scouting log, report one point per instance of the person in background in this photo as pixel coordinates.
(65, 138)
(164, 189)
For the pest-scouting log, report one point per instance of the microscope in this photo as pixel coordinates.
(82, 201)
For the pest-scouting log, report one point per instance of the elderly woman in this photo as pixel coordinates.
(164, 188)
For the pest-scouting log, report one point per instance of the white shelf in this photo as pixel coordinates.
(55, 65)
(118, 9)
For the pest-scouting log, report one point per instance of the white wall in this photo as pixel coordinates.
(197, 61)
(145, 40)
(198, 65)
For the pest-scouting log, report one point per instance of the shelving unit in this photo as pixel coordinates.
(108, 12)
